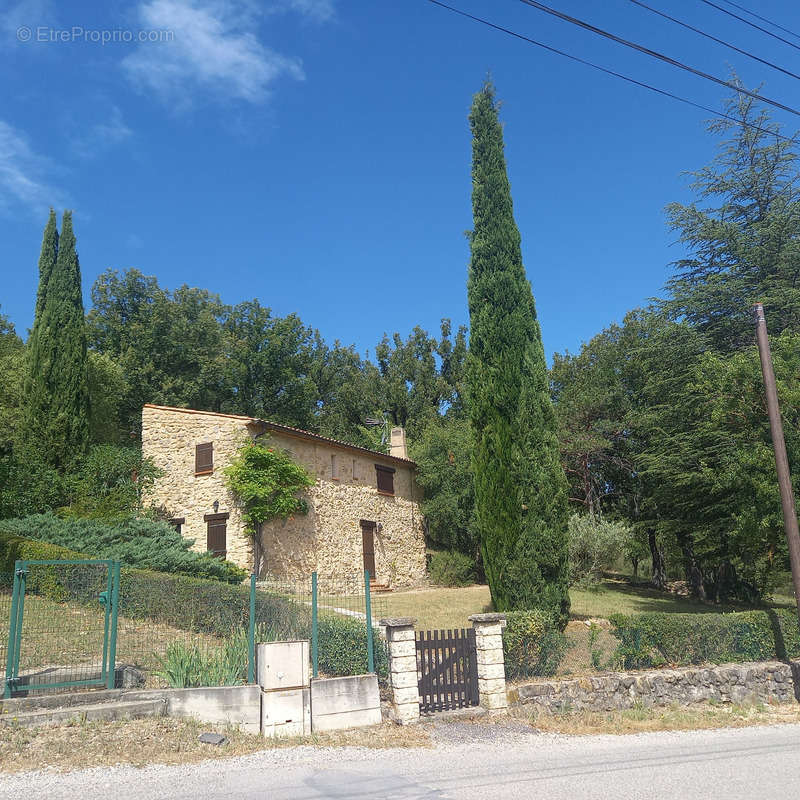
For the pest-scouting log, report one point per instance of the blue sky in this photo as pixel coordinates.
(316, 153)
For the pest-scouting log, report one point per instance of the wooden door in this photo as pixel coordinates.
(368, 545)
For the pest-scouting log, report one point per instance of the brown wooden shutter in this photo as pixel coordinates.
(385, 477)
(217, 534)
(204, 458)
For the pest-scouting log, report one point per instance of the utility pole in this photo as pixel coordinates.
(779, 445)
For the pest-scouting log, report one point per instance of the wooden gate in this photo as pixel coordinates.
(448, 676)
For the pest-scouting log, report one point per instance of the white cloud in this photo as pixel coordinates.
(318, 10)
(30, 13)
(102, 136)
(214, 47)
(23, 179)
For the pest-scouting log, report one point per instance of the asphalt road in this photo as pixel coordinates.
(469, 761)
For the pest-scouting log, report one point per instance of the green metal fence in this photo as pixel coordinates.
(61, 627)
(207, 637)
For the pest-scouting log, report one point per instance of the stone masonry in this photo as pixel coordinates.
(767, 681)
(403, 680)
(329, 538)
(490, 660)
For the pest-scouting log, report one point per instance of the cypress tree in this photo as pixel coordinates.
(57, 418)
(520, 487)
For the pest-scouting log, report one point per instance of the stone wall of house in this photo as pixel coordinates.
(767, 681)
(327, 539)
(169, 437)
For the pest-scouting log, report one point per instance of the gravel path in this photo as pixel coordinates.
(479, 760)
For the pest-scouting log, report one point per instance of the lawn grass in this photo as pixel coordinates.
(450, 608)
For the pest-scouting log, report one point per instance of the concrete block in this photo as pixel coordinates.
(403, 664)
(401, 634)
(286, 712)
(349, 702)
(238, 706)
(408, 695)
(400, 649)
(283, 665)
(490, 656)
(491, 685)
(491, 671)
(402, 680)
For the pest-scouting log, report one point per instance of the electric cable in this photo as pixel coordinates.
(608, 71)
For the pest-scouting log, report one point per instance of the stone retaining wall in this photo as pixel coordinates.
(767, 681)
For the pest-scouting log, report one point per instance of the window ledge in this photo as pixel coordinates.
(386, 494)
(336, 479)
(204, 472)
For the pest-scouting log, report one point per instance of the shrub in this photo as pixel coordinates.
(451, 568)
(532, 643)
(594, 545)
(343, 647)
(136, 542)
(654, 639)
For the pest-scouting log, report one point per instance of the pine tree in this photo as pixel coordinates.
(57, 414)
(520, 487)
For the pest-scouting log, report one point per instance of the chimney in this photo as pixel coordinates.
(398, 443)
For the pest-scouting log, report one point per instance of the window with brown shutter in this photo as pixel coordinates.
(204, 458)
(217, 534)
(177, 522)
(385, 477)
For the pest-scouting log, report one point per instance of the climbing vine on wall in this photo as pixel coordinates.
(268, 484)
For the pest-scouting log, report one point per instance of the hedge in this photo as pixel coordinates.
(656, 639)
(343, 647)
(532, 644)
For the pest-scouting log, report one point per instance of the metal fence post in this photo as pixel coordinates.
(368, 609)
(12, 630)
(112, 644)
(314, 627)
(21, 571)
(251, 636)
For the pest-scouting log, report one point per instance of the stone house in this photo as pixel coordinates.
(363, 507)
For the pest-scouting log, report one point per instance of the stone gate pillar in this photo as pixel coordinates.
(490, 660)
(403, 680)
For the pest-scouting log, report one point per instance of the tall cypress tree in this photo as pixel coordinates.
(57, 418)
(520, 487)
(36, 391)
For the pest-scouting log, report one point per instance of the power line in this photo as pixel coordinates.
(751, 24)
(607, 71)
(655, 54)
(715, 39)
(763, 19)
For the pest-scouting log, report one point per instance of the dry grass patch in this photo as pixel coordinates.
(673, 718)
(163, 740)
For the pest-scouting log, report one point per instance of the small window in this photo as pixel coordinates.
(333, 467)
(204, 458)
(385, 477)
(355, 470)
(177, 522)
